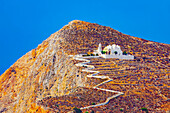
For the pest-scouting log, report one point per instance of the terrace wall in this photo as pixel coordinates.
(128, 57)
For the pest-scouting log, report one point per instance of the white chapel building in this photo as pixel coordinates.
(112, 51)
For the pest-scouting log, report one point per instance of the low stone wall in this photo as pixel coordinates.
(127, 57)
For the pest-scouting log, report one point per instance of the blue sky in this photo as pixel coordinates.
(26, 23)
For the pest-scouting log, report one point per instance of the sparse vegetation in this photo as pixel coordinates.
(85, 66)
(77, 110)
(124, 53)
(144, 109)
(103, 52)
(115, 52)
(93, 103)
(121, 109)
(56, 105)
(92, 111)
(92, 54)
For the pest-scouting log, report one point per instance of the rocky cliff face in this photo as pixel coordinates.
(45, 71)
(48, 70)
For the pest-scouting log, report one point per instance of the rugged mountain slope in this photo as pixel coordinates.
(50, 71)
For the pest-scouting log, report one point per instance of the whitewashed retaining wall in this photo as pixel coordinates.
(127, 57)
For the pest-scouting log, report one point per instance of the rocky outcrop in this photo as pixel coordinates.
(42, 72)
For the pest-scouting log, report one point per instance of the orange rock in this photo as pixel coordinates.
(48, 70)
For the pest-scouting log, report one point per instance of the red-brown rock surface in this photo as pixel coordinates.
(48, 70)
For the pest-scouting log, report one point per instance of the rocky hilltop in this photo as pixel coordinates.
(46, 78)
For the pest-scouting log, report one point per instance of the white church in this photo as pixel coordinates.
(112, 51)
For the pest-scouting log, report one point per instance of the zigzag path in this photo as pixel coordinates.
(94, 75)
